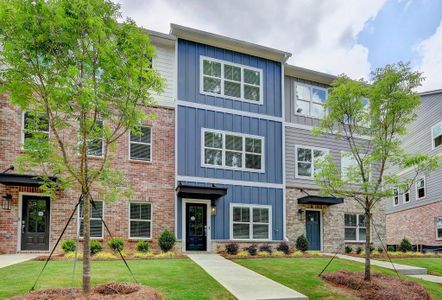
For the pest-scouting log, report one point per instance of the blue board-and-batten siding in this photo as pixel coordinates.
(189, 54)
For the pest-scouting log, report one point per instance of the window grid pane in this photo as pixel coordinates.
(309, 100)
(96, 225)
(245, 228)
(140, 220)
(140, 144)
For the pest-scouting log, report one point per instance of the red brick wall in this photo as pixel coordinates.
(416, 224)
(152, 182)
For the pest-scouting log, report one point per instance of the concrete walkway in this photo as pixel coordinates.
(432, 278)
(242, 282)
(12, 259)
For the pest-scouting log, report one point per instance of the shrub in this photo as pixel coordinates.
(68, 246)
(243, 253)
(146, 254)
(359, 250)
(167, 240)
(380, 250)
(284, 247)
(302, 243)
(263, 253)
(232, 248)
(253, 249)
(390, 248)
(372, 249)
(405, 246)
(143, 246)
(116, 244)
(266, 248)
(297, 253)
(166, 254)
(105, 255)
(348, 249)
(278, 253)
(95, 247)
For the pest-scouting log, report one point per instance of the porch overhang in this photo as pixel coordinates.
(200, 192)
(320, 200)
(22, 180)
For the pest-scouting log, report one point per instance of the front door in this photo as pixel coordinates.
(313, 228)
(35, 223)
(196, 226)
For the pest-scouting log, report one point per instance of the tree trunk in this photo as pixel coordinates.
(367, 274)
(86, 244)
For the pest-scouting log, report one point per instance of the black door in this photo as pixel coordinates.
(313, 228)
(196, 226)
(35, 223)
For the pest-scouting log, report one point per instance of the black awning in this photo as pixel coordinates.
(200, 192)
(319, 200)
(23, 180)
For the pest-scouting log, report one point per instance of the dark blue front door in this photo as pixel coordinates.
(196, 226)
(313, 227)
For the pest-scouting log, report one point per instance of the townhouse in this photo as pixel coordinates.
(416, 214)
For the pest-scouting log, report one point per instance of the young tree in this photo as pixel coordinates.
(372, 118)
(76, 69)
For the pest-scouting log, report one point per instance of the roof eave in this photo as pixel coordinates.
(306, 74)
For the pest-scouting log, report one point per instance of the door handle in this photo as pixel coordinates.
(23, 224)
(205, 229)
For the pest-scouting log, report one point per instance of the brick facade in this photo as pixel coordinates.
(417, 224)
(151, 181)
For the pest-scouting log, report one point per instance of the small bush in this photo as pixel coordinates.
(105, 255)
(284, 247)
(140, 254)
(266, 248)
(405, 246)
(302, 243)
(314, 253)
(166, 254)
(167, 240)
(95, 247)
(372, 249)
(359, 250)
(143, 246)
(380, 250)
(116, 244)
(348, 249)
(243, 253)
(72, 255)
(278, 253)
(232, 248)
(253, 249)
(390, 248)
(68, 246)
(297, 253)
(263, 253)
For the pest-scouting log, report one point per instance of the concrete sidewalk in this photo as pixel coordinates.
(242, 282)
(12, 259)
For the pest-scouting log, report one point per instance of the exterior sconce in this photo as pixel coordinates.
(6, 204)
(301, 214)
(213, 209)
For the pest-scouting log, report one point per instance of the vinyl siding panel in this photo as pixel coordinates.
(164, 62)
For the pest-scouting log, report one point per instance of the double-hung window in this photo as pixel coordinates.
(250, 222)
(35, 130)
(395, 197)
(406, 196)
(309, 100)
(95, 143)
(439, 228)
(140, 220)
(140, 144)
(436, 135)
(232, 150)
(231, 80)
(355, 230)
(420, 188)
(96, 225)
(307, 159)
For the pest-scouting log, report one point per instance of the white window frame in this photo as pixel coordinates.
(22, 138)
(139, 220)
(102, 224)
(348, 154)
(437, 227)
(312, 176)
(150, 144)
(223, 150)
(102, 144)
(242, 83)
(358, 240)
(311, 102)
(433, 137)
(251, 223)
(405, 198)
(425, 188)
(396, 196)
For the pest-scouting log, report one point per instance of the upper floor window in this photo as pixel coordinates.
(407, 197)
(420, 188)
(395, 197)
(250, 222)
(436, 135)
(221, 78)
(355, 229)
(350, 168)
(35, 130)
(96, 225)
(439, 228)
(95, 144)
(140, 144)
(232, 150)
(307, 159)
(309, 100)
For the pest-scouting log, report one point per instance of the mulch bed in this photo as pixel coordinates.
(269, 256)
(110, 290)
(61, 257)
(381, 287)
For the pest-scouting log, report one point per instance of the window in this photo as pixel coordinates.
(439, 228)
(250, 222)
(407, 197)
(436, 135)
(232, 150)
(350, 168)
(96, 224)
(140, 220)
(355, 227)
(309, 100)
(231, 80)
(364, 123)
(306, 159)
(35, 130)
(395, 197)
(140, 144)
(420, 188)
(95, 145)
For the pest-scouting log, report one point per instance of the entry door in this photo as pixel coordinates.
(196, 226)
(35, 223)
(313, 228)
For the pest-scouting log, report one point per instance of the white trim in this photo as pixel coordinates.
(436, 227)
(312, 148)
(321, 227)
(408, 170)
(311, 102)
(357, 227)
(224, 150)
(90, 210)
(404, 198)
(251, 207)
(230, 182)
(395, 190)
(22, 132)
(310, 128)
(425, 188)
(129, 220)
(209, 222)
(175, 150)
(284, 192)
(102, 143)
(433, 146)
(229, 111)
(150, 144)
(222, 79)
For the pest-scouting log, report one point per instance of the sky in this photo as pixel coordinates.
(332, 36)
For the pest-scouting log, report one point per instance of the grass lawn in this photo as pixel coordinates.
(433, 265)
(174, 278)
(301, 274)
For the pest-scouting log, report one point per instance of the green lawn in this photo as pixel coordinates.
(174, 278)
(433, 265)
(301, 274)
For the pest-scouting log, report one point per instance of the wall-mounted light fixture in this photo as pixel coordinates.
(6, 204)
(301, 214)
(213, 209)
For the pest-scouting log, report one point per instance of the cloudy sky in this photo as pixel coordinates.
(333, 36)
